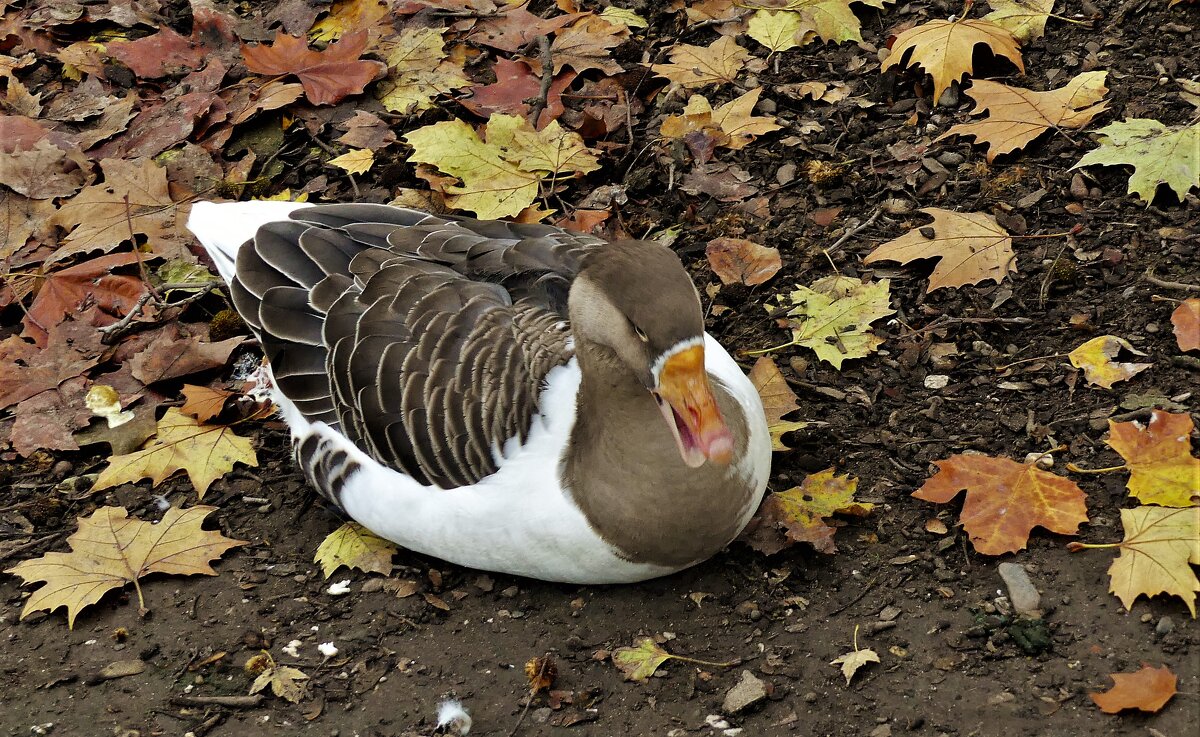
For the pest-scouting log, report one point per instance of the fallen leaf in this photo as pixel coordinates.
(357, 161)
(1160, 547)
(779, 30)
(515, 84)
(46, 421)
(832, 20)
(158, 55)
(204, 452)
(418, 71)
(352, 15)
(1159, 458)
(514, 27)
(970, 247)
(72, 348)
(328, 76)
(178, 349)
(110, 550)
(124, 438)
(854, 660)
(624, 17)
(723, 182)
(21, 218)
(541, 672)
(732, 125)
(587, 45)
(62, 293)
(1017, 116)
(1005, 500)
(639, 662)
(365, 130)
(802, 510)
(203, 402)
(833, 317)
(777, 399)
(1025, 19)
(944, 49)
(354, 546)
(1186, 319)
(718, 63)
(42, 172)
(1158, 155)
(1148, 689)
(285, 681)
(739, 261)
(1096, 358)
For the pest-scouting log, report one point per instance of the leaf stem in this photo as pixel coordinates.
(1075, 547)
(1111, 469)
(709, 663)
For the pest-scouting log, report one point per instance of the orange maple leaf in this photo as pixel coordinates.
(1159, 458)
(1186, 319)
(328, 76)
(1006, 500)
(1148, 689)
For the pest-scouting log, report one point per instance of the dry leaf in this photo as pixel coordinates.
(587, 45)
(854, 660)
(779, 30)
(1148, 689)
(205, 452)
(110, 550)
(1096, 358)
(204, 403)
(352, 15)
(418, 71)
(970, 247)
(1159, 458)
(42, 172)
(1160, 547)
(515, 85)
(61, 294)
(732, 125)
(285, 681)
(833, 317)
(1158, 155)
(1006, 500)
(354, 546)
(328, 76)
(777, 398)
(739, 261)
(1186, 319)
(541, 672)
(1025, 19)
(1017, 116)
(639, 662)
(802, 510)
(357, 161)
(719, 63)
(944, 49)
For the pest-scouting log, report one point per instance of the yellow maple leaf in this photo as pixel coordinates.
(802, 510)
(833, 317)
(1159, 458)
(777, 399)
(1096, 358)
(357, 161)
(418, 71)
(732, 125)
(1157, 153)
(110, 550)
(1016, 116)
(500, 176)
(718, 63)
(944, 49)
(624, 17)
(205, 452)
(852, 661)
(1025, 19)
(350, 15)
(286, 682)
(833, 20)
(779, 30)
(639, 662)
(1160, 547)
(970, 247)
(354, 546)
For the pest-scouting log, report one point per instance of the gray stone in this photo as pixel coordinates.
(1021, 591)
(1165, 626)
(748, 692)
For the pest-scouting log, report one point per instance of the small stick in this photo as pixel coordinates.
(539, 104)
(235, 702)
(1149, 276)
(853, 232)
(26, 546)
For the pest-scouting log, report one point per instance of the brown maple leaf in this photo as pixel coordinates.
(62, 293)
(588, 45)
(740, 261)
(180, 350)
(158, 55)
(517, 27)
(970, 247)
(515, 84)
(22, 218)
(73, 347)
(328, 76)
(778, 400)
(1006, 500)
(42, 172)
(1148, 689)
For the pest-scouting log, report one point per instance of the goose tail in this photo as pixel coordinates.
(222, 227)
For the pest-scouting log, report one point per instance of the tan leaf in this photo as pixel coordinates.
(110, 550)
(354, 546)
(1186, 321)
(418, 71)
(205, 452)
(777, 398)
(204, 403)
(357, 161)
(541, 672)
(733, 125)
(639, 662)
(588, 44)
(854, 660)
(970, 247)
(739, 261)
(719, 63)
(42, 172)
(1006, 500)
(1096, 358)
(1026, 19)
(1148, 689)
(285, 681)
(944, 49)
(1017, 116)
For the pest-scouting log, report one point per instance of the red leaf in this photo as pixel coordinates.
(157, 55)
(516, 83)
(328, 76)
(64, 293)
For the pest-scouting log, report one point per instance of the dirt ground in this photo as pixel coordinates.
(952, 661)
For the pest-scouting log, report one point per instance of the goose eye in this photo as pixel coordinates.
(641, 334)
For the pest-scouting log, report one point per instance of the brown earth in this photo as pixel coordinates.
(952, 662)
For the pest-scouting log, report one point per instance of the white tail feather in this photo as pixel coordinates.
(223, 227)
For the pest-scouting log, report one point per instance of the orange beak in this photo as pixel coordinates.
(690, 409)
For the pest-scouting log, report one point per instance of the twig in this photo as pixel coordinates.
(1150, 277)
(137, 252)
(870, 585)
(524, 711)
(31, 544)
(854, 231)
(110, 333)
(539, 104)
(234, 702)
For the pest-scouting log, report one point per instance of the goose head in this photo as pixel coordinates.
(634, 305)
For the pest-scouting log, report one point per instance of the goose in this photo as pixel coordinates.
(508, 397)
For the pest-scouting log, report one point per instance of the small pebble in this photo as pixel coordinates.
(810, 697)
(951, 158)
(936, 381)
(1165, 626)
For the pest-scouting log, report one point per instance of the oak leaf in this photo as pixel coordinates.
(110, 550)
(1186, 321)
(718, 63)
(739, 261)
(418, 71)
(1158, 155)
(1026, 19)
(587, 45)
(1017, 116)
(354, 546)
(970, 247)
(944, 49)
(833, 317)
(1006, 500)
(802, 510)
(204, 452)
(1148, 689)
(328, 76)
(1097, 357)
(1159, 458)
(777, 399)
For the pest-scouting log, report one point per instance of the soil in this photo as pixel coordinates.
(953, 662)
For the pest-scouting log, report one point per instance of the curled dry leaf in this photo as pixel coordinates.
(1097, 359)
(1159, 458)
(286, 682)
(541, 672)
(1148, 689)
(740, 261)
(1186, 321)
(354, 546)
(777, 398)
